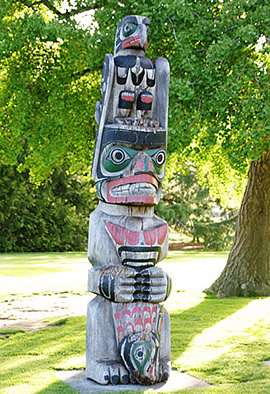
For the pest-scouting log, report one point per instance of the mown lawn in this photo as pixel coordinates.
(222, 341)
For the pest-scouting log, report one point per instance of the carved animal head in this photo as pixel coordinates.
(131, 33)
(130, 172)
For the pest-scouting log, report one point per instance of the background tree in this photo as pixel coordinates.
(50, 217)
(219, 97)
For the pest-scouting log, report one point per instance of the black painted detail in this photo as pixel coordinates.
(125, 379)
(144, 101)
(138, 139)
(107, 287)
(130, 61)
(126, 99)
(129, 262)
(145, 297)
(137, 78)
(121, 80)
(115, 379)
(118, 40)
(145, 21)
(139, 249)
(133, 138)
(150, 82)
(129, 18)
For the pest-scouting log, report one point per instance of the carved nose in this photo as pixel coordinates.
(143, 163)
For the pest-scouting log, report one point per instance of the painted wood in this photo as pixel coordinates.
(128, 329)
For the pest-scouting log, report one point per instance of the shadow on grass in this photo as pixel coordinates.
(186, 325)
(29, 357)
(26, 356)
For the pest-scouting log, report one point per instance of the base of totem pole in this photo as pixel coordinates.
(177, 381)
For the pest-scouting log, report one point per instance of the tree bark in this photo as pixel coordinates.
(247, 272)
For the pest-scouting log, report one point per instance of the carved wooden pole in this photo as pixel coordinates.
(128, 331)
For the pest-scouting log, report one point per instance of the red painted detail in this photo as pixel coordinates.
(120, 330)
(149, 165)
(146, 321)
(132, 237)
(141, 199)
(138, 321)
(115, 233)
(146, 99)
(147, 178)
(128, 96)
(150, 237)
(122, 234)
(145, 45)
(126, 311)
(151, 372)
(117, 314)
(129, 324)
(132, 41)
(162, 233)
(139, 165)
(136, 309)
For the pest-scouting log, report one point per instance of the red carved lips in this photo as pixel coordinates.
(141, 188)
(133, 41)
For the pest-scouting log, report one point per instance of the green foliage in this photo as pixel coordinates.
(50, 71)
(51, 217)
(188, 206)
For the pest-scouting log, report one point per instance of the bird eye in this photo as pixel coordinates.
(118, 156)
(128, 29)
(159, 157)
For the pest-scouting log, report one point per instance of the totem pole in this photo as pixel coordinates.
(128, 330)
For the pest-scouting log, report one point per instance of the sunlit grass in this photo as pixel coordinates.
(222, 341)
(35, 264)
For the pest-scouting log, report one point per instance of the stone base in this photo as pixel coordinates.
(177, 381)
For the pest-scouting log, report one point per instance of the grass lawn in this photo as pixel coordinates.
(222, 341)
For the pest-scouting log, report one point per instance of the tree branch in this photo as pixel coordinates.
(176, 39)
(61, 15)
(52, 8)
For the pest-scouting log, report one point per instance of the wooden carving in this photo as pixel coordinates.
(128, 330)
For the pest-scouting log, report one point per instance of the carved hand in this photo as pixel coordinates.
(125, 284)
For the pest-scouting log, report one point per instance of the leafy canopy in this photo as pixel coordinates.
(50, 70)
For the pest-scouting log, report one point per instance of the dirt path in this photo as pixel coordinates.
(35, 312)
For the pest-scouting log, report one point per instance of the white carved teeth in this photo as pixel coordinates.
(134, 189)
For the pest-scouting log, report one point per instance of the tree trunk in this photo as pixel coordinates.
(247, 272)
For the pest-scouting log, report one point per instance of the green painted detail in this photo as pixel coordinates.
(129, 28)
(141, 353)
(119, 157)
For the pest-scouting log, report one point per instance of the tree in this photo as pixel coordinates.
(219, 94)
(50, 217)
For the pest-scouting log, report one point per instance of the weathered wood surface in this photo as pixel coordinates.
(128, 330)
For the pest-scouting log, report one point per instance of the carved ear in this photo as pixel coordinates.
(160, 111)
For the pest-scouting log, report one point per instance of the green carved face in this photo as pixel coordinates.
(141, 354)
(118, 157)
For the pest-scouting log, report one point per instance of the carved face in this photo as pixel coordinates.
(131, 33)
(133, 176)
(131, 165)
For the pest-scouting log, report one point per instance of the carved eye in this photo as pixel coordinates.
(140, 353)
(118, 156)
(128, 29)
(159, 157)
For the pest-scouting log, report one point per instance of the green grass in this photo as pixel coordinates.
(222, 341)
(35, 264)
